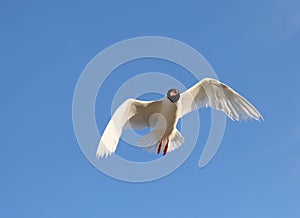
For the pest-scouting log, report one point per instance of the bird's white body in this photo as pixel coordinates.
(169, 111)
(162, 115)
(164, 133)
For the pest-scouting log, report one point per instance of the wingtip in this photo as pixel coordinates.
(103, 151)
(103, 155)
(261, 119)
(258, 117)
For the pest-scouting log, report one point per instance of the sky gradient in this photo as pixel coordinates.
(253, 46)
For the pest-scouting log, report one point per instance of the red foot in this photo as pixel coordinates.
(159, 147)
(166, 148)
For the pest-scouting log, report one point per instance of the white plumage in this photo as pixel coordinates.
(162, 115)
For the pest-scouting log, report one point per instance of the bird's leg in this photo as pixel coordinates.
(166, 148)
(159, 147)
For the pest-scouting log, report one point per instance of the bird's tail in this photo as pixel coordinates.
(176, 141)
(150, 142)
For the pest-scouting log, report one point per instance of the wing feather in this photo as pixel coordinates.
(110, 138)
(212, 93)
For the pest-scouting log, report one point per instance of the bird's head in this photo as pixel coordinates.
(173, 95)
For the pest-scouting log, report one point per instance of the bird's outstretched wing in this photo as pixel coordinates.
(212, 93)
(127, 110)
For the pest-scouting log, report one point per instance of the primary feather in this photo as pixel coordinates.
(212, 93)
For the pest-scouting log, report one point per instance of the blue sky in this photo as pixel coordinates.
(253, 46)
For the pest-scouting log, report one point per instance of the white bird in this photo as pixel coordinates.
(162, 115)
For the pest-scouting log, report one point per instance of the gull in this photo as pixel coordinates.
(162, 115)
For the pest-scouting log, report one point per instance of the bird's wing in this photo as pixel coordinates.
(110, 138)
(212, 93)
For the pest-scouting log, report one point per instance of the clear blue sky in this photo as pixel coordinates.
(254, 46)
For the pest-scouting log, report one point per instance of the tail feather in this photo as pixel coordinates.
(150, 142)
(176, 141)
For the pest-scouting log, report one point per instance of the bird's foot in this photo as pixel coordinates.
(166, 148)
(159, 147)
